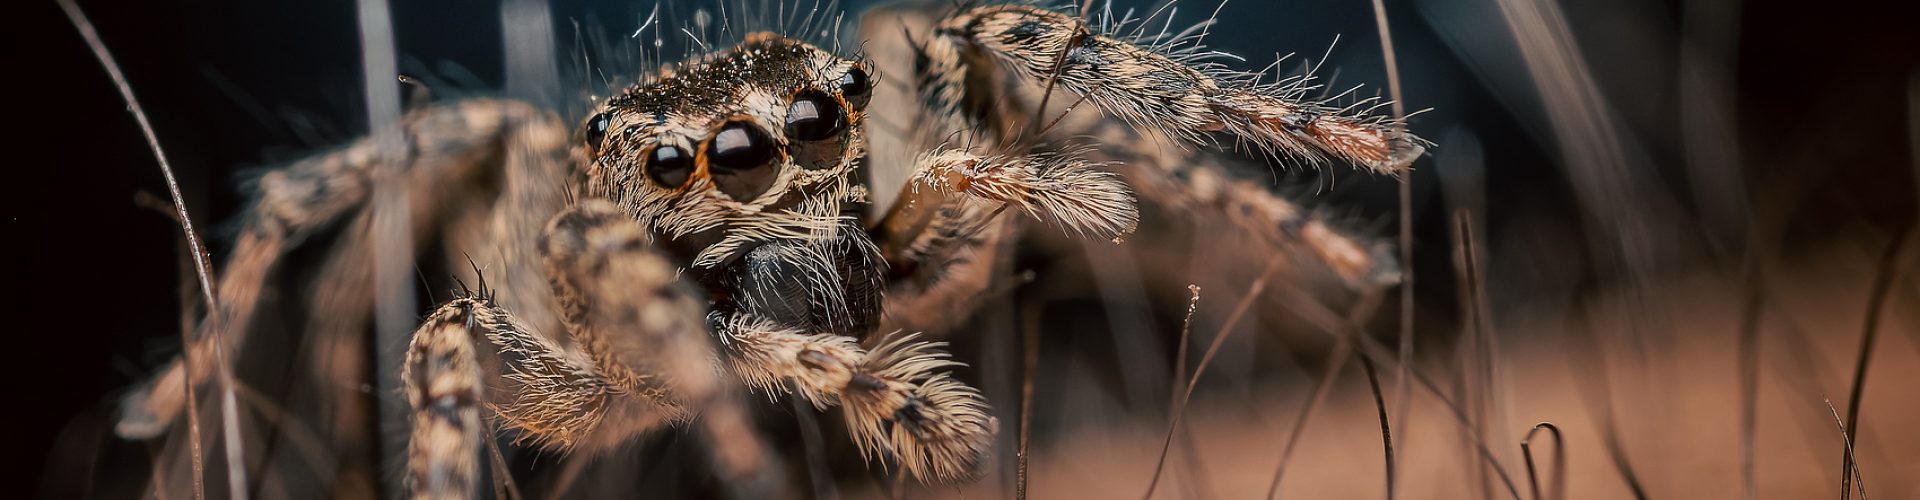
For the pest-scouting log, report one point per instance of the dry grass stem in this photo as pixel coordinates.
(1559, 461)
(236, 465)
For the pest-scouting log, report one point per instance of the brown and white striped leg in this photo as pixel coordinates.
(641, 328)
(444, 387)
(639, 360)
(1164, 86)
(505, 151)
(472, 354)
(896, 406)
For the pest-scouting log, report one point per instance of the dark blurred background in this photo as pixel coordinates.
(1816, 100)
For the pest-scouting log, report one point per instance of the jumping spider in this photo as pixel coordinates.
(712, 222)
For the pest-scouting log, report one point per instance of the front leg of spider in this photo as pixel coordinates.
(639, 359)
(1165, 90)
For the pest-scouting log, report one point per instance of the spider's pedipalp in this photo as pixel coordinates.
(551, 395)
(1058, 186)
(896, 406)
(951, 189)
(941, 235)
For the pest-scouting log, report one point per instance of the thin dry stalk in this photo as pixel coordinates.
(1599, 394)
(202, 269)
(1622, 236)
(1913, 131)
(394, 309)
(1180, 355)
(1402, 391)
(230, 423)
(1876, 300)
(1750, 312)
(1852, 465)
(814, 445)
(1196, 471)
(1913, 142)
(1030, 348)
(1386, 430)
(186, 336)
(189, 286)
(1559, 461)
(503, 486)
(1365, 308)
(1302, 304)
(1460, 417)
(236, 465)
(1480, 332)
(305, 440)
(1180, 409)
(1342, 352)
(1707, 118)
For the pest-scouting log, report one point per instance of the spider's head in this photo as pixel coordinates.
(758, 143)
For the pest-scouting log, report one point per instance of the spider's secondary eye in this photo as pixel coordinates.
(669, 167)
(855, 86)
(855, 82)
(814, 116)
(738, 158)
(597, 129)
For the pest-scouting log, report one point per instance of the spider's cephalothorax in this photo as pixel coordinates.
(744, 166)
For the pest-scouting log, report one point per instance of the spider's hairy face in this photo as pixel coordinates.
(744, 166)
(755, 144)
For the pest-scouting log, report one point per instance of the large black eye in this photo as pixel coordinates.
(597, 129)
(740, 146)
(738, 158)
(814, 116)
(669, 167)
(855, 86)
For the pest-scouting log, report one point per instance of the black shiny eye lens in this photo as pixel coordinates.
(738, 158)
(814, 116)
(597, 129)
(669, 167)
(740, 146)
(855, 83)
(857, 87)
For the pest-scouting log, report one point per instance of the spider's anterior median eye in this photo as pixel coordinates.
(855, 86)
(597, 129)
(740, 146)
(814, 116)
(669, 167)
(738, 158)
